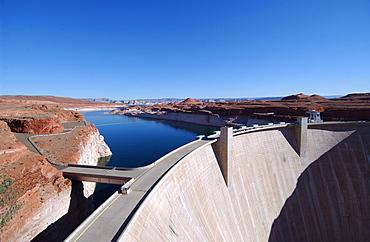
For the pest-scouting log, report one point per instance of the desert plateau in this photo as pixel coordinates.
(38, 132)
(239, 113)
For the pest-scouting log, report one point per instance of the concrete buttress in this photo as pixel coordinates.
(222, 150)
(302, 137)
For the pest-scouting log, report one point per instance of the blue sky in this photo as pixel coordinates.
(133, 49)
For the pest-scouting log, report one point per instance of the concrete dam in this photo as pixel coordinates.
(308, 182)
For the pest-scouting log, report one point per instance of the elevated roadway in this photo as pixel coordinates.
(179, 198)
(185, 189)
(110, 175)
(109, 220)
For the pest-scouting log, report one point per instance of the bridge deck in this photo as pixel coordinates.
(110, 219)
(100, 174)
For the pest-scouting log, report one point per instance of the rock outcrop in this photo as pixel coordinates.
(359, 96)
(86, 146)
(303, 97)
(47, 125)
(83, 146)
(35, 118)
(33, 194)
(190, 101)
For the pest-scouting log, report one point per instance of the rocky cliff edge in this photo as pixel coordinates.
(33, 194)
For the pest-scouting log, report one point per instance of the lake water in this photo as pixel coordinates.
(138, 142)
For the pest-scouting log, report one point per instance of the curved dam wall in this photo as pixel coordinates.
(272, 192)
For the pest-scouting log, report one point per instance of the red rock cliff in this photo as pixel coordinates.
(33, 194)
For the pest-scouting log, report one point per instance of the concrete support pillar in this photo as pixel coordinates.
(222, 149)
(302, 136)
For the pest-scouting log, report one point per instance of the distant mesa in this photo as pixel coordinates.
(61, 102)
(191, 101)
(248, 112)
(303, 97)
(358, 96)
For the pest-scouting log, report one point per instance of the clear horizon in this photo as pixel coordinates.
(196, 98)
(125, 50)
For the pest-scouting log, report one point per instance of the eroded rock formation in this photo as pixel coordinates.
(34, 194)
(304, 97)
(83, 145)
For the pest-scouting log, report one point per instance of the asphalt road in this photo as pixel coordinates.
(109, 220)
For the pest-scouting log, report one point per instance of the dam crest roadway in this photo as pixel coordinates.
(145, 209)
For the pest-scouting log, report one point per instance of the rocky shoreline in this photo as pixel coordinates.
(240, 113)
(204, 119)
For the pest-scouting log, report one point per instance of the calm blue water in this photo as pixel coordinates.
(138, 142)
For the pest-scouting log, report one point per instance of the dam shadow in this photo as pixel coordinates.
(331, 198)
(290, 134)
(79, 209)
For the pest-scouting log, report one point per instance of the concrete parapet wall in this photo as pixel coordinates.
(273, 193)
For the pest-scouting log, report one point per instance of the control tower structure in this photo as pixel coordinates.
(314, 117)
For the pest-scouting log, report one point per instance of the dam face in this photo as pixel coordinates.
(273, 193)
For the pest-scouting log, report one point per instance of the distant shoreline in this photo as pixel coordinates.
(86, 109)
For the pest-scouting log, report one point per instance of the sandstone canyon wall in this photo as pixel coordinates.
(273, 193)
(87, 149)
(83, 146)
(33, 194)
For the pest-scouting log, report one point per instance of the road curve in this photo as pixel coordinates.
(109, 220)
